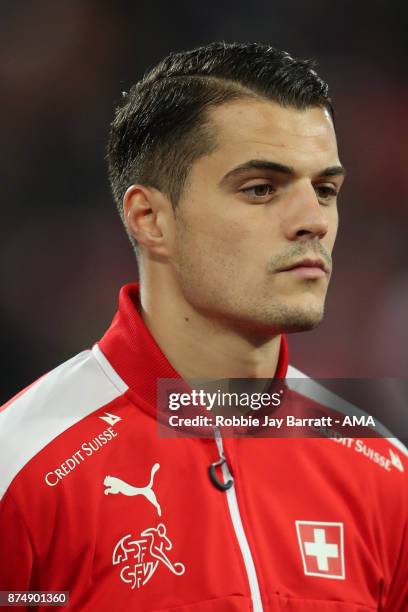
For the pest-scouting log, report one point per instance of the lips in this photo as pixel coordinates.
(306, 263)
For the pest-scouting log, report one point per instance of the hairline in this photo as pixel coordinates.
(207, 122)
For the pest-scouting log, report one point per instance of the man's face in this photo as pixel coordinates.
(264, 201)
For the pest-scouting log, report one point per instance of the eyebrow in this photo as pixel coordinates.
(264, 164)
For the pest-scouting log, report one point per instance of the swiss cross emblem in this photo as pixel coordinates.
(322, 548)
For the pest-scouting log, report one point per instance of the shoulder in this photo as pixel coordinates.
(51, 405)
(380, 446)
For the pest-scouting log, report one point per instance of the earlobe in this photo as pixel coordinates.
(142, 217)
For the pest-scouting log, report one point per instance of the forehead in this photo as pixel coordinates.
(251, 129)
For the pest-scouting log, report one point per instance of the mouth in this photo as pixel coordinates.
(307, 268)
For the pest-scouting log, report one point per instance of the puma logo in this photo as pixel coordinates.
(116, 485)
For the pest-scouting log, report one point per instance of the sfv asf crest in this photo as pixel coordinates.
(140, 558)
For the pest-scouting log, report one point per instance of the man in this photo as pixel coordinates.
(224, 166)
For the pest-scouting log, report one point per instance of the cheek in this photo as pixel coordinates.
(207, 228)
(220, 236)
(213, 256)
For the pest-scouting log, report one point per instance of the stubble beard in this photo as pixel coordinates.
(260, 315)
(290, 320)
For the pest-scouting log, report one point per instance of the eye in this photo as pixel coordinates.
(263, 190)
(326, 192)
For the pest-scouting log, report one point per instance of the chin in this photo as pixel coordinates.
(279, 320)
(292, 319)
(302, 320)
(294, 327)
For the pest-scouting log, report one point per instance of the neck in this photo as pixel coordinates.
(201, 347)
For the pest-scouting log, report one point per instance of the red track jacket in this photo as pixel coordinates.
(93, 502)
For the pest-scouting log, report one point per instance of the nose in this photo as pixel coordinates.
(304, 217)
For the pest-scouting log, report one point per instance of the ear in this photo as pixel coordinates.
(145, 212)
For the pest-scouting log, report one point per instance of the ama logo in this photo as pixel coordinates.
(364, 421)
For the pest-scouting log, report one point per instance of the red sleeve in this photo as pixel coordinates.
(16, 553)
(397, 600)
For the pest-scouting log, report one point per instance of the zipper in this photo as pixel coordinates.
(238, 526)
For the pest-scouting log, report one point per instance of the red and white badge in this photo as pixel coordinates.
(322, 548)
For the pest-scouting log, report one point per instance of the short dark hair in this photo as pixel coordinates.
(162, 125)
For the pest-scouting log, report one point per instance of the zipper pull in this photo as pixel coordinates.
(222, 462)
